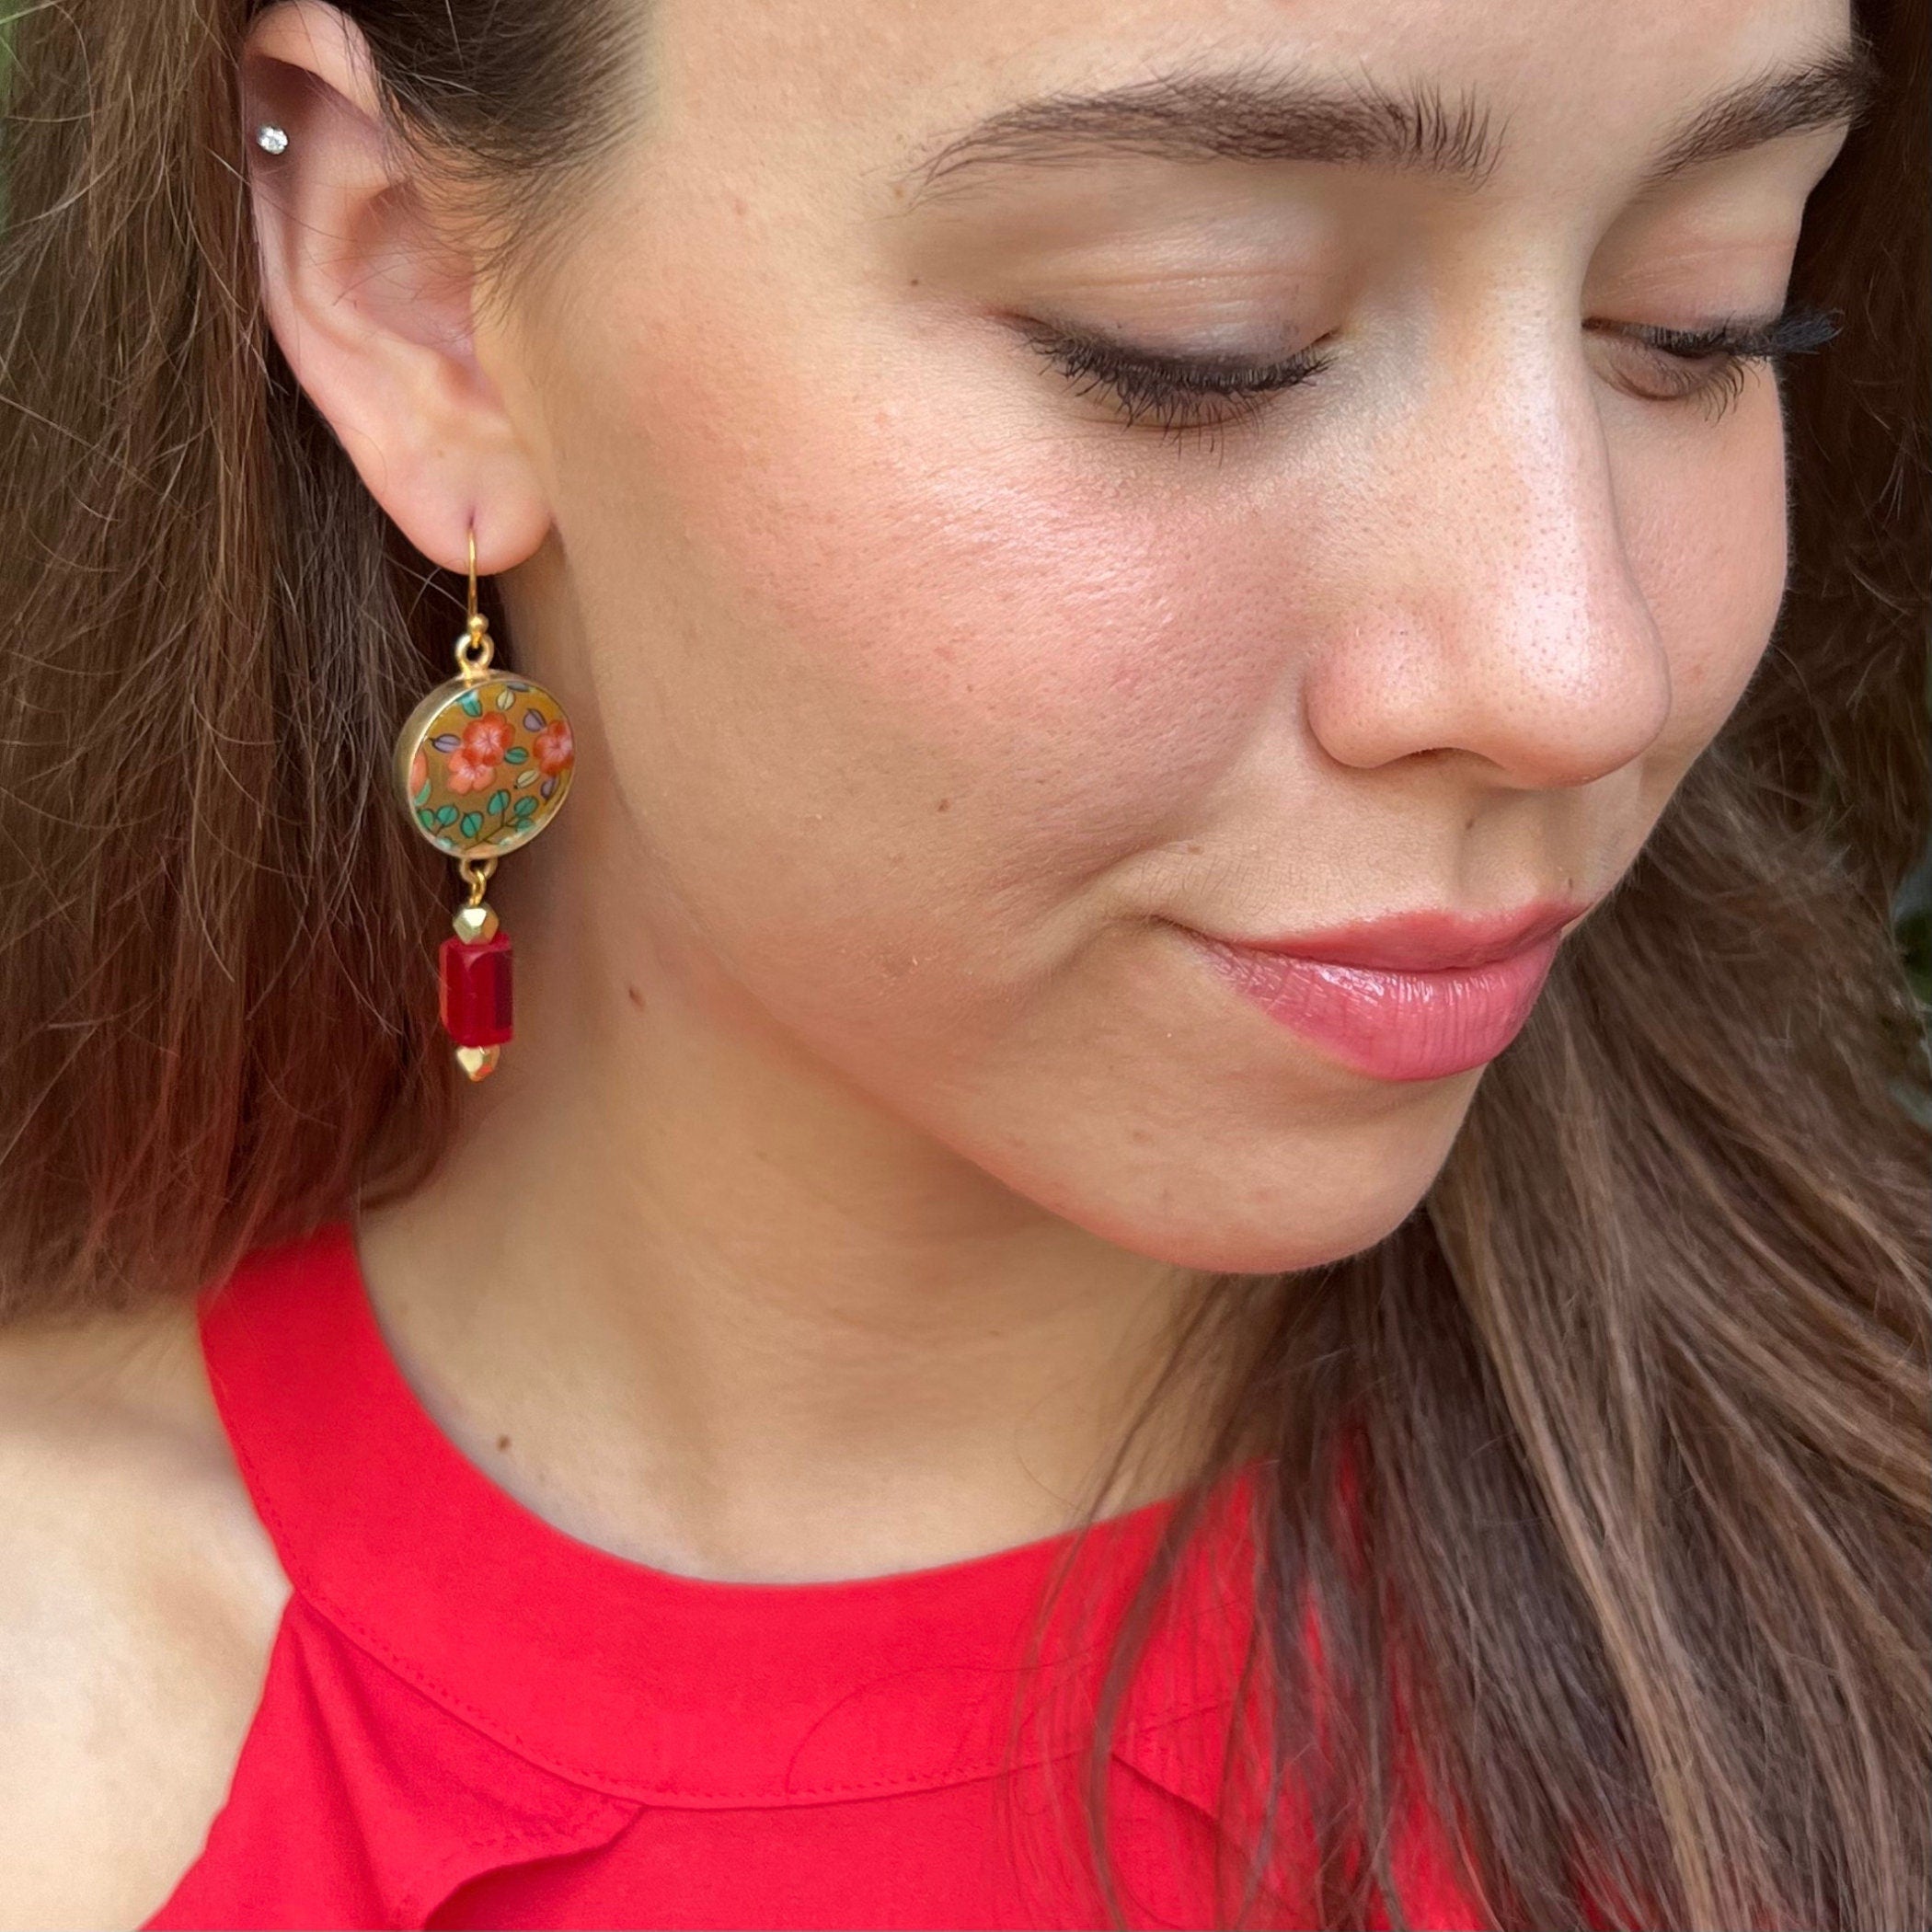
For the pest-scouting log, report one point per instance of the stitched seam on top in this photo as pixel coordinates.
(498, 1732)
(501, 1733)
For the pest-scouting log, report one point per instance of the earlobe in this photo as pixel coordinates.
(371, 299)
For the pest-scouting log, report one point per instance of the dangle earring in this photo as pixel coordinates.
(481, 766)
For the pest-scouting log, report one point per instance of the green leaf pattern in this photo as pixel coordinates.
(510, 744)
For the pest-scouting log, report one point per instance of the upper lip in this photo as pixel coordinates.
(1425, 942)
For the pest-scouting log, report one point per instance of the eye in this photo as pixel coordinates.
(1707, 366)
(1178, 395)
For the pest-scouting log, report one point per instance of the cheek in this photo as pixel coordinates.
(1704, 520)
(969, 675)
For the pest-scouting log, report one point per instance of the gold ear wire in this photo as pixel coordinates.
(475, 646)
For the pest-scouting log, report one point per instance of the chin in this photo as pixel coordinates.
(1224, 1211)
(1258, 1246)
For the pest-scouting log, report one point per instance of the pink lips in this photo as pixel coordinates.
(1415, 996)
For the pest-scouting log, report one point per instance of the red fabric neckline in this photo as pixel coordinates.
(639, 1681)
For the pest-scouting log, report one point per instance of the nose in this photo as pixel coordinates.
(1492, 609)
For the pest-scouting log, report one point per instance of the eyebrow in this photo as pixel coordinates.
(1252, 113)
(1839, 87)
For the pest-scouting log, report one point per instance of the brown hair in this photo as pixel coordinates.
(1634, 1406)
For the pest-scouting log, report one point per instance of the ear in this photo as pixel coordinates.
(372, 305)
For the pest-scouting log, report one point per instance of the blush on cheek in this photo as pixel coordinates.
(938, 595)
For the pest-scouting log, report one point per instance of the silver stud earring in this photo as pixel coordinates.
(270, 138)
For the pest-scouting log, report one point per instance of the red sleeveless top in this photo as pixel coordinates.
(472, 1719)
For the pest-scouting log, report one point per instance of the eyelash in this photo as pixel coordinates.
(1177, 393)
(1729, 348)
(1172, 391)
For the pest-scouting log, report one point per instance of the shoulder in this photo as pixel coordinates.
(138, 1600)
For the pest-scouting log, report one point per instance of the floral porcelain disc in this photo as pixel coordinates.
(483, 764)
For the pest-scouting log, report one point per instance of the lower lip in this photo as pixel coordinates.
(1390, 1025)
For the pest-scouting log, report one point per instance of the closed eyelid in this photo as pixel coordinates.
(1184, 398)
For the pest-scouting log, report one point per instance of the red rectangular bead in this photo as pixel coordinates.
(476, 991)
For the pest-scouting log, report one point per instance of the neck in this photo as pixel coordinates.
(696, 1299)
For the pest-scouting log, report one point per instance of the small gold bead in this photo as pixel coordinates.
(479, 1063)
(474, 923)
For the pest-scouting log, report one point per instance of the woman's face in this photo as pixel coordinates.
(949, 654)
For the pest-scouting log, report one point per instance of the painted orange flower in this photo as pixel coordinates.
(419, 773)
(489, 737)
(467, 773)
(555, 748)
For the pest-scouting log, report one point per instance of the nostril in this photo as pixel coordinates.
(1527, 643)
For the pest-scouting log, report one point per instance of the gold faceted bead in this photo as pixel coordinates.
(479, 1063)
(475, 923)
